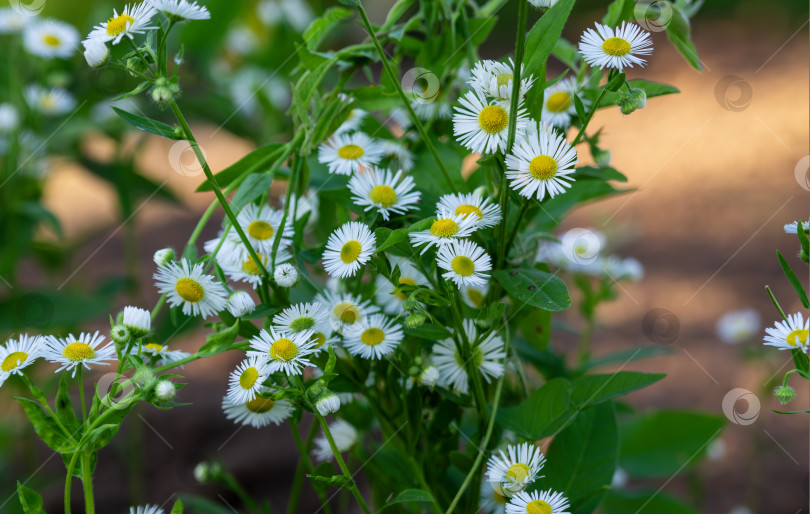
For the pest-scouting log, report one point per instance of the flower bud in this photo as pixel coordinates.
(144, 378)
(163, 256)
(138, 321)
(328, 403)
(285, 275)
(413, 371)
(408, 305)
(632, 101)
(206, 472)
(165, 391)
(240, 304)
(784, 394)
(96, 53)
(121, 336)
(429, 376)
(135, 67)
(415, 320)
(162, 95)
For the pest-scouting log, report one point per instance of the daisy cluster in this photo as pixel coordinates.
(582, 250)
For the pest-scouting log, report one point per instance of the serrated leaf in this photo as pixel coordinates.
(148, 125)
(99, 437)
(535, 287)
(46, 428)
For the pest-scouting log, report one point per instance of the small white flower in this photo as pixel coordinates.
(17, 354)
(558, 102)
(622, 269)
(181, 9)
(283, 351)
(738, 326)
(429, 376)
(375, 337)
(493, 78)
(345, 310)
(620, 479)
(581, 250)
(138, 321)
(790, 228)
(344, 435)
(240, 304)
(465, 263)
(247, 270)
(51, 102)
(475, 295)
(486, 357)
(446, 229)
(538, 501)
(541, 164)
(390, 301)
(260, 225)
(163, 256)
(246, 380)
(510, 472)
(617, 48)
(162, 352)
(12, 21)
(791, 334)
(198, 293)
(345, 154)
(285, 275)
(486, 213)
(353, 122)
(72, 352)
(9, 118)
(327, 404)
(481, 127)
(308, 203)
(134, 19)
(51, 38)
(544, 4)
(146, 509)
(492, 502)
(349, 247)
(258, 412)
(401, 157)
(388, 193)
(165, 391)
(96, 52)
(312, 317)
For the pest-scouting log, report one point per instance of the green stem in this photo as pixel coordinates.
(304, 465)
(158, 306)
(590, 116)
(584, 346)
(87, 481)
(81, 395)
(231, 482)
(395, 80)
(140, 55)
(343, 468)
(217, 191)
(472, 370)
(511, 240)
(69, 480)
(292, 183)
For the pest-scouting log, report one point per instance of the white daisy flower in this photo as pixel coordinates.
(581, 249)
(558, 103)
(72, 352)
(12, 21)
(483, 128)
(283, 351)
(328, 404)
(388, 300)
(96, 53)
(9, 118)
(617, 48)
(51, 38)
(486, 213)
(536, 502)
(259, 411)
(146, 509)
(375, 337)
(285, 275)
(793, 228)
(353, 122)
(240, 304)
(492, 502)
(474, 295)
(544, 4)
(134, 19)
(260, 225)
(447, 228)
(738, 326)
(465, 263)
(162, 352)
(349, 247)
(511, 472)
(138, 321)
(247, 271)
(17, 354)
(344, 435)
(486, 357)
(307, 316)
(345, 154)
(541, 165)
(789, 335)
(622, 269)
(308, 203)
(246, 380)
(345, 309)
(186, 285)
(401, 157)
(493, 78)
(181, 9)
(55, 101)
(384, 191)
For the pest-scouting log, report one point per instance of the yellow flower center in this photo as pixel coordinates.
(351, 152)
(477, 359)
(51, 40)
(251, 267)
(463, 265)
(47, 101)
(443, 228)
(408, 281)
(319, 338)
(260, 230)
(77, 351)
(503, 79)
(116, 26)
(465, 209)
(13, 360)
(260, 405)
(248, 378)
(493, 119)
(283, 350)
(301, 324)
(372, 336)
(797, 337)
(616, 46)
(543, 167)
(517, 473)
(383, 195)
(154, 347)
(475, 297)
(499, 498)
(558, 102)
(538, 507)
(347, 312)
(350, 251)
(189, 290)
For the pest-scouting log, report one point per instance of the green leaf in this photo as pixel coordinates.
(99, 437)
(616, 82)
(177, 508)
(148, 125)
(45, 427)
(542, 413)
(535, 287)
(644, 502)
(792, 278)
(140, 88)
(30, 500)
(40, 214)
(660, 443)
(803, 240)
(566, 53)
(652, 89)
(319, 28)
(428, 331)
(253, 186)
(678, 32)
(323, 470)
(396, 12)
(536, 327)
(619, 11)
(255, 161)
(64, 407)
(594, 389)
(582, 458)
(199, 504)
(800, 360)
(220, 341)
(409, 496)
(580, 108)
(607, 173)
(627, 356)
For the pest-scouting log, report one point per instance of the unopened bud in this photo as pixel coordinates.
(162, 95)
(429, 376)
(784, 394)
(415, 320)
